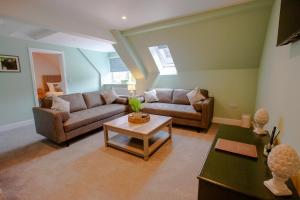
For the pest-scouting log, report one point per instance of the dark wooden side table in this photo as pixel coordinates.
(230, 176)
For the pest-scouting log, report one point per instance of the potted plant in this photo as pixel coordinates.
(137, 116)
(135, 104)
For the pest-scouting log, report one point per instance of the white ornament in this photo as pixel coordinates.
(261, 118)
(284, 162)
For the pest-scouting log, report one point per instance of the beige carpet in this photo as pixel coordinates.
(33, 168)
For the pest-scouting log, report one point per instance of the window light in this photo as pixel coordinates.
(163, 59)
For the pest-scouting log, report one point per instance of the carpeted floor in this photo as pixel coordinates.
(33, 168)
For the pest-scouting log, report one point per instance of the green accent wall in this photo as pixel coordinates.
(218, 50)
(234, 89)
(16, 98)
(278, 83)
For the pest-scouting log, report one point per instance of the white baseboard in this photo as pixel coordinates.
(227, 121)
(15, 125)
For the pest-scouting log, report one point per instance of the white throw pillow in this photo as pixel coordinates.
(54, 87)
(195, 95)
(51, 87)
(109, 96)
(150, 96)
(60, 105)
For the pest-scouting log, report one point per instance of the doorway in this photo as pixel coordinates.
(48, 73)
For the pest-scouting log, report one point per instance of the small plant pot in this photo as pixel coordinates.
(138, 117)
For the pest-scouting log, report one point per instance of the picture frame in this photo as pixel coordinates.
(9, 63)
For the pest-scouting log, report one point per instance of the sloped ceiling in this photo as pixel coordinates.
(18, 29)
(230, 38)
(97, 17)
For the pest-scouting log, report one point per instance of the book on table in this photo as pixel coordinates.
(236, 147)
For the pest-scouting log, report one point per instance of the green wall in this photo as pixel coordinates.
(16, 90)
(218, 50)
(234, 89)
(278, 85)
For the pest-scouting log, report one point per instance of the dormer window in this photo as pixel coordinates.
(163, 59)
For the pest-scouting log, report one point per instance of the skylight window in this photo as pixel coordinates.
(163, 59)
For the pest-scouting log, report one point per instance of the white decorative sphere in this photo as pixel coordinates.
(284, 161)
(261, 116)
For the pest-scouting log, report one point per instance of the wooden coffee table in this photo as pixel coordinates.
(139, 139)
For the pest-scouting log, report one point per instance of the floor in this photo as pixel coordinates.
(32, 168)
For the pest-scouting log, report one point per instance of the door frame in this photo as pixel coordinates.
(62, 64)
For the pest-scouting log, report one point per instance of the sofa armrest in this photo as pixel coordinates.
(207, 111)
(122, 100)
(49, 123)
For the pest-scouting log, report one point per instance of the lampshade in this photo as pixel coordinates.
(131, 87)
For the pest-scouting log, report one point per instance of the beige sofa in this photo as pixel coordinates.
(174, 103)
(88, 111)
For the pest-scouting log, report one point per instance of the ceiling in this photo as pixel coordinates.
(95, 18)
(13, 28)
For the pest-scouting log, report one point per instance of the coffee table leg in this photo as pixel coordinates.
(146, 148)
(170, 130)
(105, 135)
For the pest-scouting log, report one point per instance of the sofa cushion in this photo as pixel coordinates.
(76, 101)
(109, 96)
(121, 100)
(164, 95)
(85, 117)
(179, 96)
(172, 110)
(93, 99)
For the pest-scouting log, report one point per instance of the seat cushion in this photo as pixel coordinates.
(164, 95)
(172, 110)
(93, 99)
(76, 101)
(85, 117)
(179, 96)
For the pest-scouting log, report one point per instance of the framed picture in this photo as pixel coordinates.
(9, 63)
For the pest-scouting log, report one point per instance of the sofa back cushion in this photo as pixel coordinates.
(76, 101)
(179, 97)
(164, 95)
(93, 99)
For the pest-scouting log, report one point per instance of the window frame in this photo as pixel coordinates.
(163, 66)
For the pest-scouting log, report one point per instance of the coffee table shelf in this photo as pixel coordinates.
(135, 146)
(139, 139)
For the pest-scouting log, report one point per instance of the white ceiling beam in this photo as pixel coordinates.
(129, 56)
(42, 34)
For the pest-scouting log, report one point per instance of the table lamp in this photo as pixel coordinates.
(131, 88)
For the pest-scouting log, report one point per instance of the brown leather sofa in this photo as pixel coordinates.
(174, 103)
(88, 111)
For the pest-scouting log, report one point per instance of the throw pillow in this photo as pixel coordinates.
(198, 106)
(150, 96)
(54, 87)
(57, 87)
(109, 96)
(195, 95)
(59, 104)
(51, 87)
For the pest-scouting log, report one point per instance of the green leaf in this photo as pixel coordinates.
(135, 104)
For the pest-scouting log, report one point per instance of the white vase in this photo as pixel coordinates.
(261, 118)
